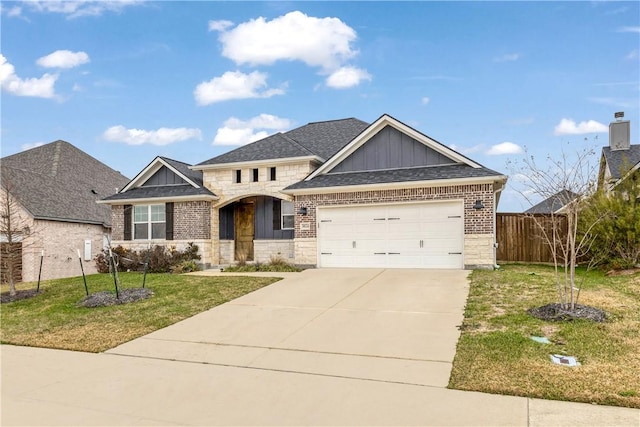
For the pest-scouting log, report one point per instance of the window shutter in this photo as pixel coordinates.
(127, 222)
(276, 214)
(169, 221)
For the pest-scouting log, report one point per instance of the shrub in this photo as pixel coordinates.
(616, 225)
(160, 259)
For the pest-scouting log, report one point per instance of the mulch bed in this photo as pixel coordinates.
(107, 298)
(20, 294)
(555, 313)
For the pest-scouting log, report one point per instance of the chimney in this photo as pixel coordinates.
(619, 133)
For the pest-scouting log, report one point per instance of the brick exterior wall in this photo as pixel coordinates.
(192, 220)
(478, 223)
(475, 221)
(60, 242)
(191, 223)
(117, 222)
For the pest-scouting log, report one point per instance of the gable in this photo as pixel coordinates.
(164, 176)
(391, 149)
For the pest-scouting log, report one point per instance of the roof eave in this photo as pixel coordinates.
(282, 160)
(396, 185)
(199, 197)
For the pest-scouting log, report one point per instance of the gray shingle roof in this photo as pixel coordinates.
(427, 173)
(322, 139)
(553, 203)
(168, 191)
(58, 181)
(621, 159)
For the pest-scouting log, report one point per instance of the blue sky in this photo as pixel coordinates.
(126, 81)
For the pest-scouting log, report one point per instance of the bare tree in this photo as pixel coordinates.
(15, 227)
(567, 182)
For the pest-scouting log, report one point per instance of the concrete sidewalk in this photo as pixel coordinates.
(321, 347)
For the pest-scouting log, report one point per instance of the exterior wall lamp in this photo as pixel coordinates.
(302, 211)
(478, 204)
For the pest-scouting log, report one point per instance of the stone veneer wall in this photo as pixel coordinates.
(264, 250)
(478, 224)
(221, 182)
(226, 252)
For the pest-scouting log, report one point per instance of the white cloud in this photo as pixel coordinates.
(14, 11)
(509, 57)
(346, 77)
(504, 148)
(467, 150)
(570, 127)
(78, 8)
(629, 30)
(234, 85)
(632, 55)
(240, 132)
(219, 25)
(30, 145)
(42, 87)
(318, 42)
(425, 100)
(63, 59)
(162, 136)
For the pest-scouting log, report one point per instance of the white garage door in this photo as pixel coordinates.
(425, 235)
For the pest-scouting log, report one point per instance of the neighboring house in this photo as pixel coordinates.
(621, 159)
(553, 204)
(341, 193)
(55, 187)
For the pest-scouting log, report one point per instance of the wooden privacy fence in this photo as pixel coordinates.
(10, 253)
(520, 237)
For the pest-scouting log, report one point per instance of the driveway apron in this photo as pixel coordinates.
(385, 325)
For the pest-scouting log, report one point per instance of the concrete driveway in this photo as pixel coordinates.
(388, 325)
(323, 347)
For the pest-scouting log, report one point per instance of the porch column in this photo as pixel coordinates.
(215, 236)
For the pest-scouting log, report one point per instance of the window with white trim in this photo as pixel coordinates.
(287, 215)
(149, 222)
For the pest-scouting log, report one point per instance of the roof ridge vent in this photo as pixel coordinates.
(56, 159)
(619, 133)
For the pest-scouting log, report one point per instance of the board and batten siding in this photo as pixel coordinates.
(164, 176)
(263, 221)
(391, 149)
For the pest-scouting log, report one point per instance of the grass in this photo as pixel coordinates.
(496, 355)
(53, 320)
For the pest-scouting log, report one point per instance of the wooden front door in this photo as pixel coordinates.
(243, 221)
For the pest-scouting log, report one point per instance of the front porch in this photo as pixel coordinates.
(253, 229)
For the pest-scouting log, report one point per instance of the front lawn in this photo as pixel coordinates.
(496, 355)
(52, 319)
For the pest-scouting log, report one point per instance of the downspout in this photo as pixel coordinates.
(495, 231)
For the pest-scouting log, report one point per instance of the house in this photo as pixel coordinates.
(339, 193)
(553, 204)
(621, 159)
(53, 191)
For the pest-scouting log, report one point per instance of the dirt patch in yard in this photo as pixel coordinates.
(105, 298)
(556, 313)
(21, 294)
